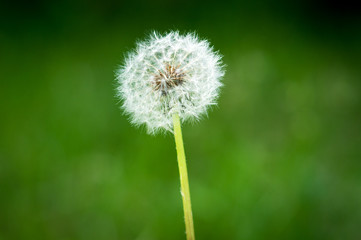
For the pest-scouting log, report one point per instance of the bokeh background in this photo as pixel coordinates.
(278, 158)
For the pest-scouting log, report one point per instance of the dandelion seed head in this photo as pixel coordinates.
(168, 74)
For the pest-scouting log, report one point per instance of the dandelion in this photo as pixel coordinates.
(168, 79)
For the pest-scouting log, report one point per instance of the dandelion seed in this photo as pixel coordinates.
(166, 75)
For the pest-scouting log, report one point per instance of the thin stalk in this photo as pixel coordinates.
(186, 197)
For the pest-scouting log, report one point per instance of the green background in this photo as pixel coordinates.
(278, 158)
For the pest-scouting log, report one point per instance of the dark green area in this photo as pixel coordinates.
(278, 158)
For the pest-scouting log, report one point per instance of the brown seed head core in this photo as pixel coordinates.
(170, 77)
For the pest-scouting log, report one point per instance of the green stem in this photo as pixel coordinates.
(188, 217)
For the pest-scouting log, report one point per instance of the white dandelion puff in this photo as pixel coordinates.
(166, 75)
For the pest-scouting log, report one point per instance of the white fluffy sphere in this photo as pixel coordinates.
(169, 74)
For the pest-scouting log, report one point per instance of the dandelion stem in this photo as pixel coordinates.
(188, 217)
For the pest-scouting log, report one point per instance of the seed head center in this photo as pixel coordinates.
(168, 78)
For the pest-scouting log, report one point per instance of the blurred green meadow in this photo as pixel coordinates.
(278, 158)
